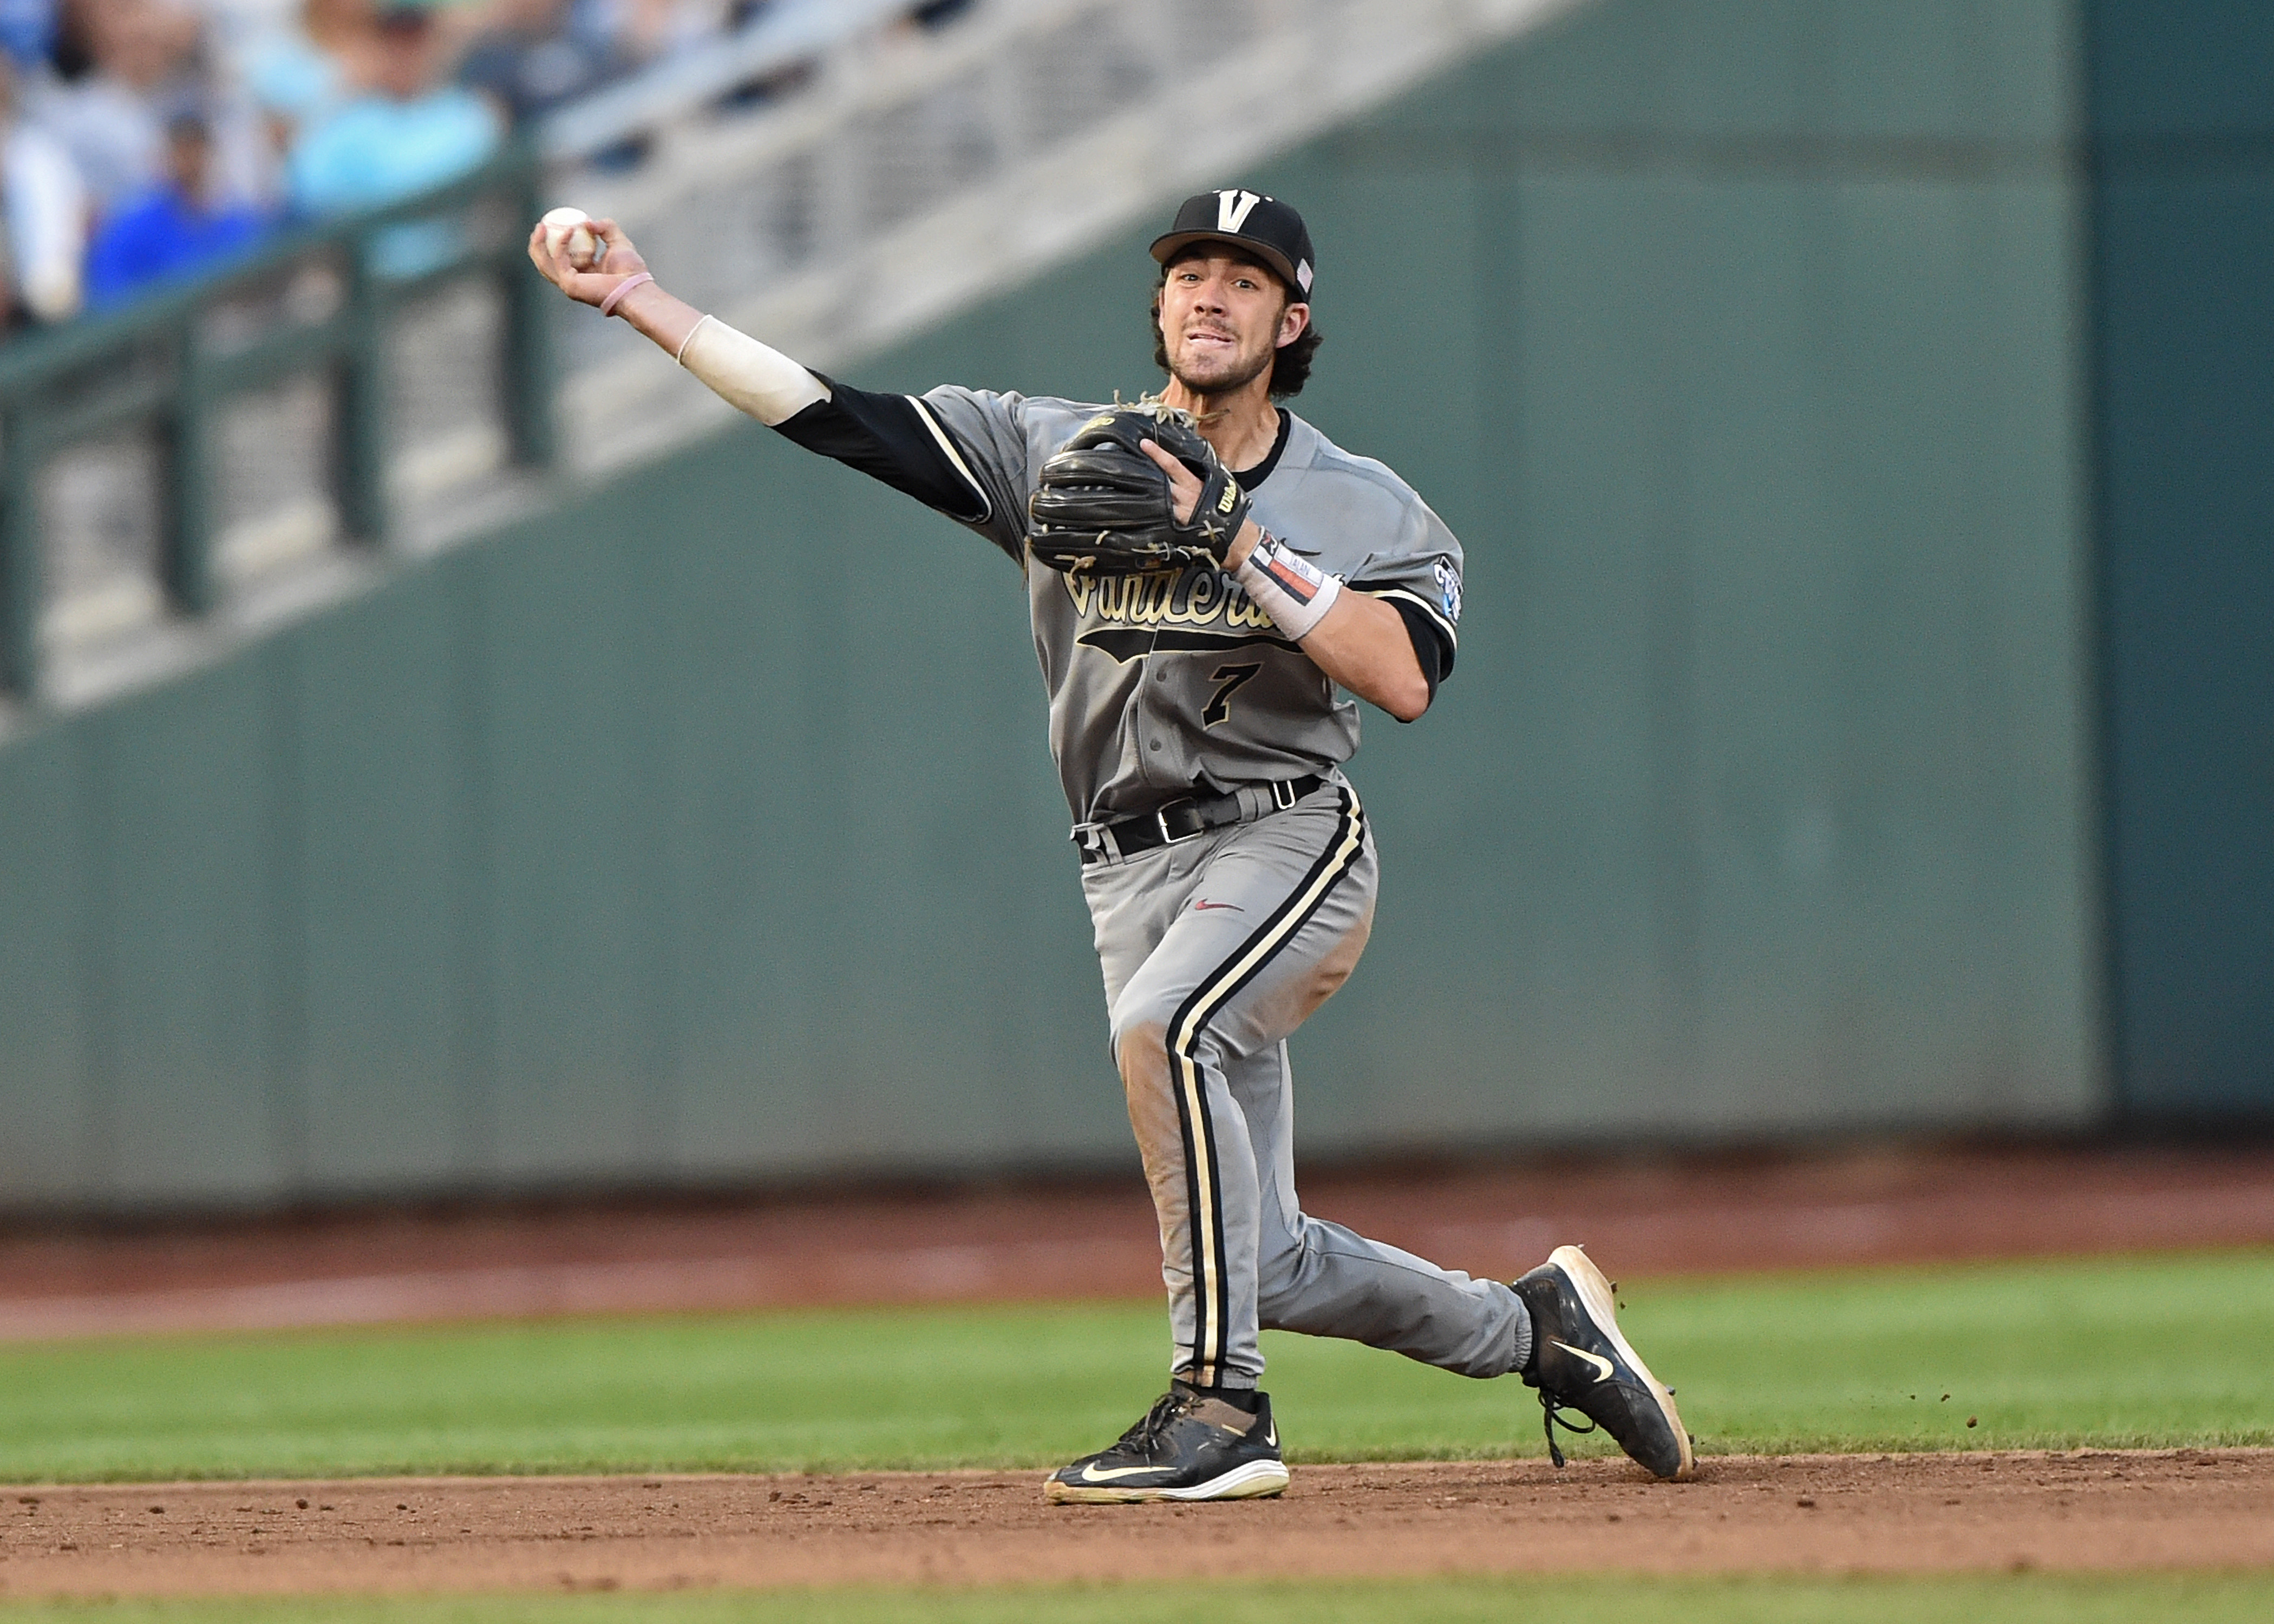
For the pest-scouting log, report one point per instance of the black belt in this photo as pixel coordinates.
(1184, 819)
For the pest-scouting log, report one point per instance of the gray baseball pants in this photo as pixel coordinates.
(1216, 949)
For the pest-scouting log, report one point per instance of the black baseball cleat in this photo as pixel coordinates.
(1192, 1444)
(1580, 1362)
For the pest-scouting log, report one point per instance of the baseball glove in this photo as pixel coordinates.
(1101, 504)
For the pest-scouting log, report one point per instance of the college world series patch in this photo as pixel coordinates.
(1449, 590)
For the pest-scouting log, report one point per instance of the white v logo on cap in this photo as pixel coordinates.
(1231, 209)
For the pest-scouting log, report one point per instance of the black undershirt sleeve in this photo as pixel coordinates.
(887, 437)
(1433, 650)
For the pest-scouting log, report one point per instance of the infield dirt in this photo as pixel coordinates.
(1814, 1514)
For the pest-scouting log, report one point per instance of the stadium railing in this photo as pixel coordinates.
(158, 466)
(177, 478)
(917, 171)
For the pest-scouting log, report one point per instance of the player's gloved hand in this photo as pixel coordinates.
(1101, 504)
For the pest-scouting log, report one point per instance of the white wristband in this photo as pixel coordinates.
(747, 375)
(1286, 587)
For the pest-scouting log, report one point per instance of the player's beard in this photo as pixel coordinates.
(1243, 371)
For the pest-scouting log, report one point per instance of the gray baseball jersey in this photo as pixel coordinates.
(1236, 702)
(1215, 948)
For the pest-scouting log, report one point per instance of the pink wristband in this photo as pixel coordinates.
(616, 293)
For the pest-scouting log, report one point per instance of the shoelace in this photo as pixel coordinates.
(1147, 1431)
(1551, 1417)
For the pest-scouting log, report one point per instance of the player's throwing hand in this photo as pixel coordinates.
(617, 259)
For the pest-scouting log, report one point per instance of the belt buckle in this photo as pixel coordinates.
(1161, 821)
(1282, 795)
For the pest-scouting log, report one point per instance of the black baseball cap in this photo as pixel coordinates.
(1265, 227)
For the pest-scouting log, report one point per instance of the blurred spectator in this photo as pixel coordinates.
(534, 55)
(44, 209)
(28, 33)
(644, 30)
(529, 59)
(298, 67)
(747, 14)
(161, 123)
(233, 27)
(406, 132)
(143, 63)
(183, 227)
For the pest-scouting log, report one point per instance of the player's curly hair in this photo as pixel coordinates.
(1291, 364)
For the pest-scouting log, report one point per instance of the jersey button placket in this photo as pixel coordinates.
(1167, 720)
(1152, 702)
(1157, 705)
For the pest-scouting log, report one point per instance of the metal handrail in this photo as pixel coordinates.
(191, 380)
(834, 223)
(666, 90)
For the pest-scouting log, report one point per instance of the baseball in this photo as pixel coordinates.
(566, 235)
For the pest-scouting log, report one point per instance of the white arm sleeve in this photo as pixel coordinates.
(747, 375)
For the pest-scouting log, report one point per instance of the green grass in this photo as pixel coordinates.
(2112, 1352)
(2027, 1599)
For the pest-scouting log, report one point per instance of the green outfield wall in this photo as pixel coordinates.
(2182, 246)
(702, 830)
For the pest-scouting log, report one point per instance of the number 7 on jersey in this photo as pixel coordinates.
(1232, 677)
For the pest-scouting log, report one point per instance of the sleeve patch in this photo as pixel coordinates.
(1449, 590)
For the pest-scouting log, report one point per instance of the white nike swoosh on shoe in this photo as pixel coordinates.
(1090, 1474)
(1271, 1437)
(1604, 1369)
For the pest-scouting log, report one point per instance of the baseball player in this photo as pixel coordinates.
(1208, 579)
